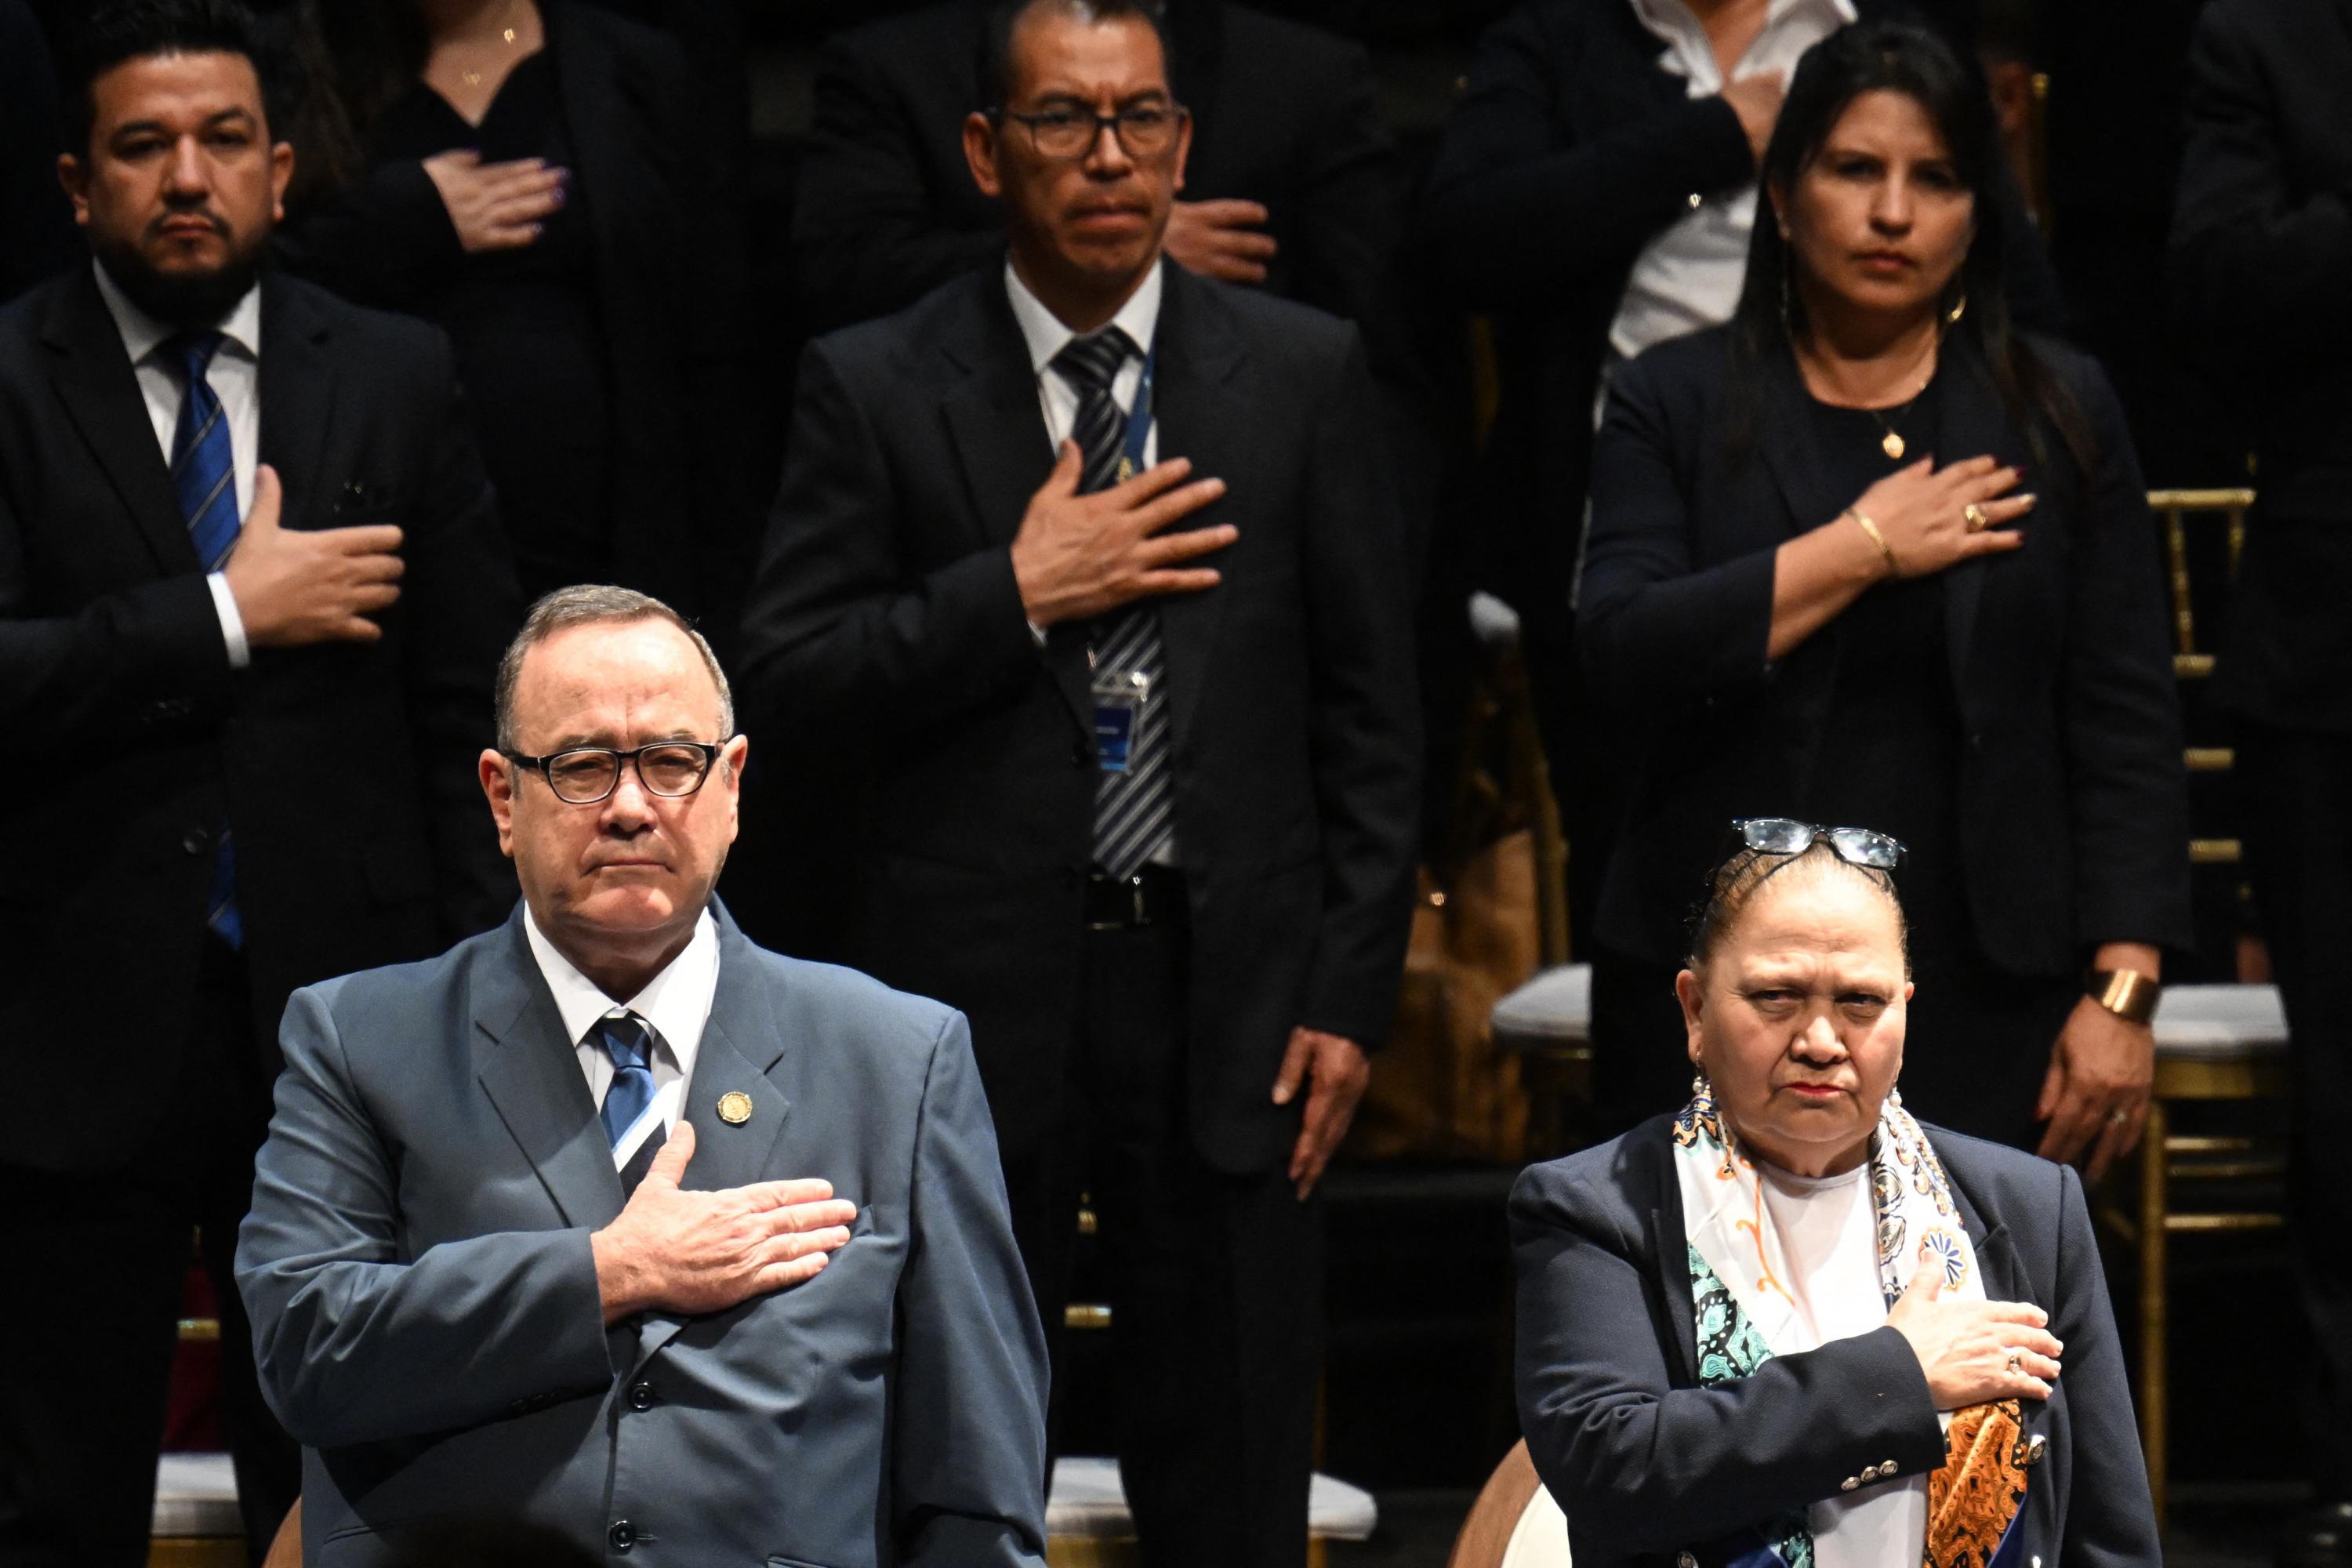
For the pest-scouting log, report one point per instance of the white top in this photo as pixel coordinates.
(1046, 336)
(234, 376)
(1829, 1236)
(676, 1005)
(1688, 275)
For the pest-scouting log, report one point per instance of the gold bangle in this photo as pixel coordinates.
(1894, 568)
(2127, 993)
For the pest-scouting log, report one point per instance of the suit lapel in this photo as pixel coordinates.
(1970, 423)
(590, 77)
(532, 1073)
(297, 395)
(998, 432)
(1201, 418)
(2005, 1279)
(741, 1045)
(1669, 1251)
(1790, 453)
(100, 389)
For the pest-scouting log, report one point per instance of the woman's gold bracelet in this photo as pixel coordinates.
(1893, 569)
(2128, 994)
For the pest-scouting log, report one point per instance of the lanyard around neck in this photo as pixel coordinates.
(1139, 418)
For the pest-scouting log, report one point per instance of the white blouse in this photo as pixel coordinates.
(1828, 1234)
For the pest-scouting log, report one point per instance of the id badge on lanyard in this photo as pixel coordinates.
(1119, 694)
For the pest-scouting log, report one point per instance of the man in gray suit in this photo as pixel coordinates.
(609, 1221)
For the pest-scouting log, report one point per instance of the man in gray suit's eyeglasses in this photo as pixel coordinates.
(612, 1221)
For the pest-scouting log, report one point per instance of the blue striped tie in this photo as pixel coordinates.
(204, 473)
(630, 1099)
(1134, 811)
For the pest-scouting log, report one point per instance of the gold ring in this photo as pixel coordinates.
(1976, 517)
(2016, 1361)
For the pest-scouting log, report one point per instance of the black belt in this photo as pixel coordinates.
(1154, 895)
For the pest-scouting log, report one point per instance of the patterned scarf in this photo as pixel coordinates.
(1744, 1316)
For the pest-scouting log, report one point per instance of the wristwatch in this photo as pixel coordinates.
(2127, 993)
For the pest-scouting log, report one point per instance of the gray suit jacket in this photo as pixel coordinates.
(424, 1306)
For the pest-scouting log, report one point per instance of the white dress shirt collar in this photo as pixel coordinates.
(1691, 54)
(675, 1002)
(1047, 336)
(142, 335)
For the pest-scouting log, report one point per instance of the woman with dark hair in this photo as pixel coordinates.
(536, 177)
(1793, 1326)
(1868, 553)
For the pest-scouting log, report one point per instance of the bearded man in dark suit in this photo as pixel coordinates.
(251, 595)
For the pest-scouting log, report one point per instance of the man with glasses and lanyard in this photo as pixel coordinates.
(613, 1219)
(1095, 566)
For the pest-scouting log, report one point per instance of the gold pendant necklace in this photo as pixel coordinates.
(474, 78)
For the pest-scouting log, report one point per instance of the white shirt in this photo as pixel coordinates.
(234, 376)
(1828, 1229)
(1688, 277)
(1043, 331)
(675, 1003)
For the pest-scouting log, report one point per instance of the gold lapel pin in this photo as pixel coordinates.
(734, 1107)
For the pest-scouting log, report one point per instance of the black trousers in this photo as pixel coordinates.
(96, 1261)
(2296, 803)
(1974, 1054)
(1215, 1282)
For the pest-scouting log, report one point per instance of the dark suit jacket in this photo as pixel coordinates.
(2262, 250)
(1569, 151)
(2073, 826)
(666, 260)
(1646, 1463)
(346, 772)
(425, 1304)
(1282, 114)
(885, 616)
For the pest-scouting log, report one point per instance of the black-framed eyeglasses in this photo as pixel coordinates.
(1784, 836)
(1143, 130)
(586, 774)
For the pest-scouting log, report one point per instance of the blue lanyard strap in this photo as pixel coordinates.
(1139, 418)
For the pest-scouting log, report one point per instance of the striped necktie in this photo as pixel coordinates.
(633, 1125)
(1133, 810)
(203, 475)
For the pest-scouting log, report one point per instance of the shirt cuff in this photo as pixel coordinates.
(1036, 634)
(232, 623)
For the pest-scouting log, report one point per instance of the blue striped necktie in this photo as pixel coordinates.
(204, 474)
(629, 1102)
(1134, 811)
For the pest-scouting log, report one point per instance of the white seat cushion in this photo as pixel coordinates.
(1540, 1538)
(1088, 1503)
(195, 1495)
(2219, 1023)
(1552, 1011)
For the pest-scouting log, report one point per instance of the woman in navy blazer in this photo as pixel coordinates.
(1790, 1325)
(1868, 554)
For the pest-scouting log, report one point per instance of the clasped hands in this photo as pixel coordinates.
(673, 1251)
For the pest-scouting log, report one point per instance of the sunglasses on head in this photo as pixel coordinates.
(1854, 846)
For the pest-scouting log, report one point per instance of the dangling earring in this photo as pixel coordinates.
(1700, 1087)
(1959, 307)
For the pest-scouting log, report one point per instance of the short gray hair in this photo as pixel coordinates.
(589, 604)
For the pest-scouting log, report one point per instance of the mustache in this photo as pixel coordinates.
(217, 224)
